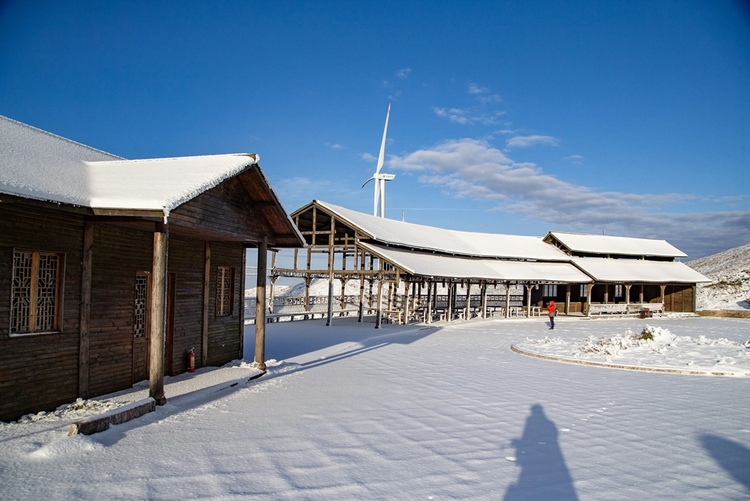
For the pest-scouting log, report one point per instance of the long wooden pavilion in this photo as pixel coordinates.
(584, 274)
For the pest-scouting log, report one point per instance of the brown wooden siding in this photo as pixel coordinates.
(678, 298)
(118, 254)
(39, 372)
(226, 209)
(224, 332)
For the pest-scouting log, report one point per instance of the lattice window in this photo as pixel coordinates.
(224, 291)
(549, 290)
(584, 290)
(35, 296)
(140, 315)
(618, 290)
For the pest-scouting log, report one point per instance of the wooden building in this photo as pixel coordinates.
(386, 255)
(583, 274)
(111, 270)
(629, 274)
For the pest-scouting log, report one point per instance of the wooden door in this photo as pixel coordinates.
(141, 325)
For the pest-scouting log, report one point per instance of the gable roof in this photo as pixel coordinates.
(612, 245)
(39, 165)
(638, 270)
(430, 238)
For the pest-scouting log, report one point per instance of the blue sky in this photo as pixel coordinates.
(628, 118)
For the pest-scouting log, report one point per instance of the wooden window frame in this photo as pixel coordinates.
(224, 291)
(146, 326)
(33, 294)
(549, 290)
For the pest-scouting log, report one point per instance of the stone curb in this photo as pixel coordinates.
(626, 367)
(95, 424)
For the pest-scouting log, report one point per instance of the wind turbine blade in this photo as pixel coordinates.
(381, 156)
(371, 179)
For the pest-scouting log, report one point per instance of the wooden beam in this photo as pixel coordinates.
(507, 299)
(158, 314)
(241, 354)
(85, 311)
(260, 306)
(206, 300)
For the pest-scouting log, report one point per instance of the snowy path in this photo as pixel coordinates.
(430, 413)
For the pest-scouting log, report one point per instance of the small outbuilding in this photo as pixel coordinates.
(112, 270)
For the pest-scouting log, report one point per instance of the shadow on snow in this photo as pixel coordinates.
(544, 474)
(733, 457)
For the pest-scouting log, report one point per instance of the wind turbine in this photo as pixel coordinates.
(378, 177)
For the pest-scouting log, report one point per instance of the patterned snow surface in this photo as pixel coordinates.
(444, 412)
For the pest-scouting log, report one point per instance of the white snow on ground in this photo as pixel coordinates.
(654, 347)
(411, 412)
(730, 272)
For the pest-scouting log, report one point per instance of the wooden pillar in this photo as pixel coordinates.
(206, 288)
(528, 300)
(330, 300)
(606, 293)
(307, 293)
(85, 310)
(640, 295)
(379, 300)
(406, 302)
(507, 299)
(343, 293)
(390, 295)
(158, 313)
(588, 299)
(430, 297)
(260, 306)
(467, 307)
(663, 287)
(627, 293)
(242, 306)
(695, 299)
(449, 312)
(361, 296)
(484, 299)
(567, 299)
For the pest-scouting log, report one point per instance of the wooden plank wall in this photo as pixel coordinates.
(39, 372)
(224, 332)
(186, 262)
(118, 253)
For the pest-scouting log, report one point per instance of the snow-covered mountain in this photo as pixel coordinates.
(730, 272)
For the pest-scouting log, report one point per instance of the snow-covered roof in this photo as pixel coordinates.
(612, 245)
(430, 238)
(637, 270)
(43, 166)
(435, 265)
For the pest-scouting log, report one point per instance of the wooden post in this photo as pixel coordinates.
(627, 293)
(567, 299)
(588, 299)
(158, 313)
(271, 294)
(507, 299)
(528, 301)
(379, 300)
(206, 288)
(260, 306)
(663, 287)
(451, 292)
(85, 312)
(640, 295)
(343, 293)
(330, 271)
(430, 297)
(242, 305)
(483, 292)
(307, 293)
(406, 302)
(361, 297)
(467, 306)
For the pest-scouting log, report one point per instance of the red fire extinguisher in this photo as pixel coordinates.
(191, 360)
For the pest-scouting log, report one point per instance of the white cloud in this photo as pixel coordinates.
(533, 140)
(474, 169)
(368, 157)
(475, 89)
(466, 116)
(403, 73)
(335, 146)
(575, 159)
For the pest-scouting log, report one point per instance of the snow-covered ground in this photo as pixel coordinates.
(412, 412)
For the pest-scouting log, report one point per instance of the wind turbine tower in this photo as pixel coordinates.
(381, 177)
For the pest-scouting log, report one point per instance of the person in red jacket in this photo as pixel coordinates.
(552, 312)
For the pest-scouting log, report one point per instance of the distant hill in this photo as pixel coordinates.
(730, 272)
